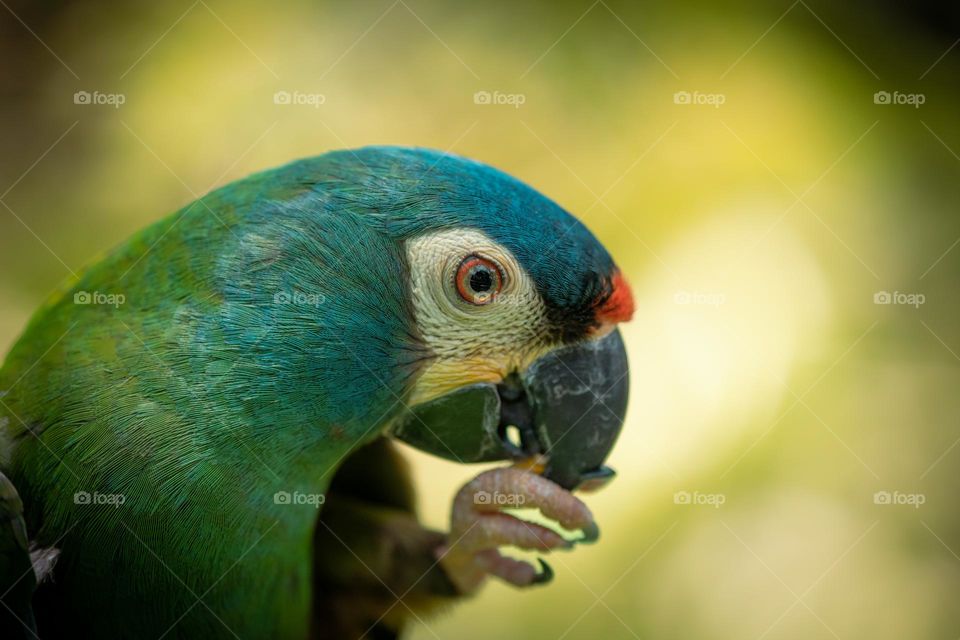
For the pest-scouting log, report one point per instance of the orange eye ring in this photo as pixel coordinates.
(478, 280)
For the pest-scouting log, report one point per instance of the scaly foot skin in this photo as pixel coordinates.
(478, 527)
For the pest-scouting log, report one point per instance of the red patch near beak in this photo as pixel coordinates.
(619, 306)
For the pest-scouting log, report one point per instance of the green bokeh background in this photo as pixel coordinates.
(756, 235)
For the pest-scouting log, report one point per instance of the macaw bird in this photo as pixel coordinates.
(198, 435)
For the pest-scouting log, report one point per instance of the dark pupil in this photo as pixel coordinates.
(481, 280)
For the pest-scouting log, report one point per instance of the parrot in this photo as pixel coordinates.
(201, 434)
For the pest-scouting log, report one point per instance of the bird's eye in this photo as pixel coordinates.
(478, 280)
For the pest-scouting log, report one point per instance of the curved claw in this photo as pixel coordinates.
(480, 526)
(591, 533)
(546, 573)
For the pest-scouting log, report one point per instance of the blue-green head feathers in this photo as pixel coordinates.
(328, 229)
(408, 191)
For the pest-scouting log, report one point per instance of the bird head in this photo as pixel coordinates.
(515, 305)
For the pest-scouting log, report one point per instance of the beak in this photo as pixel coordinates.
(567, 408)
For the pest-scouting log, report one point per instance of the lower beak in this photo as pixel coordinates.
(567, 408)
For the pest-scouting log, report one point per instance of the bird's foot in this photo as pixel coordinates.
(478, 527)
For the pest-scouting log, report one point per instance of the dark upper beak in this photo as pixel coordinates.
(568, 406)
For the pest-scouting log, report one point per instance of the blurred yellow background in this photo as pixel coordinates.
(779, 181)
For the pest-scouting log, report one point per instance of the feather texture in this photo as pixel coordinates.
(237, 351)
